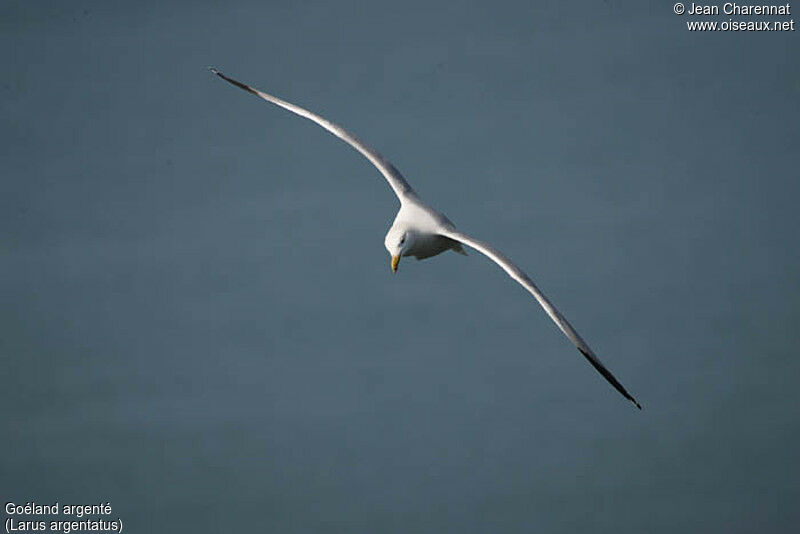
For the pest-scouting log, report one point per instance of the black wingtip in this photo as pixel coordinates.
(608, 376)
(231, 81)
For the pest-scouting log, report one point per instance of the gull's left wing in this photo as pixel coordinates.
(519, 275)
(392, 175)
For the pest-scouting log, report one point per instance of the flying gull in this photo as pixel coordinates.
(420, 231)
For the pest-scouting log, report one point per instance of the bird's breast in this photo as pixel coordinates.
(427, 245)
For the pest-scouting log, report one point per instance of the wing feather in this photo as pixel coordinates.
(392, 175)
(519, 275)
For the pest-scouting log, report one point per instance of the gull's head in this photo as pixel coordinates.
(398, 242)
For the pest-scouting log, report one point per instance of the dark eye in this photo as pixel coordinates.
(402, 240)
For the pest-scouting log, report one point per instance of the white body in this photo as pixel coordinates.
(422, 226)
(420, 231)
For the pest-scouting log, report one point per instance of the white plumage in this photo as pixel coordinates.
(420, 231)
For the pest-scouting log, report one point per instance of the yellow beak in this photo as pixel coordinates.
(395, 261)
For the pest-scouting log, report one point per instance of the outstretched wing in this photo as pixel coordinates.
(519, 275)
(392, 175)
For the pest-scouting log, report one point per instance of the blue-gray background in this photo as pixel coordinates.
(199, 323)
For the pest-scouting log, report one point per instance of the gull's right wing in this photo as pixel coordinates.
(519, 275)
(392, 175)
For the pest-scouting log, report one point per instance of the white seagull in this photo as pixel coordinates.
(420, 231)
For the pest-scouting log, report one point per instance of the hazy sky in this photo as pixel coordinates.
(199, 323)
